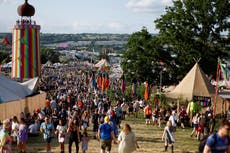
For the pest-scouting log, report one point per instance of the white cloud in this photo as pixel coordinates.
(148, 6)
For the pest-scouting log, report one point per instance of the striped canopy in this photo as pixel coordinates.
(102, 64)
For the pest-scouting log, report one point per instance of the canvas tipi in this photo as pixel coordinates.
(195, 83)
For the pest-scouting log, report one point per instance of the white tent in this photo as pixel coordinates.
(11, 90)
(31, 84)
(195, 83)
(7, 65)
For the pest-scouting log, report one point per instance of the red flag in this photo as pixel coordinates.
(123, 83)
(99, 82)
(6, 41)
(103, 85)
(107, 82)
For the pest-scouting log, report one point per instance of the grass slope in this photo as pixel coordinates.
(149, 139)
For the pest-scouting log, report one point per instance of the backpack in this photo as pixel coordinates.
(203, 142)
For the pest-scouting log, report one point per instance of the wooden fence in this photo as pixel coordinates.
(26, 105)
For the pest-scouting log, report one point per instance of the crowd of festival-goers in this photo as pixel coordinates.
(75, 102)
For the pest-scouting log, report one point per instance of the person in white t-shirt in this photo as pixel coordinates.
(61, 130)
(174, 119)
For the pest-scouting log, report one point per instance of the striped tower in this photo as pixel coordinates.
(25, 45)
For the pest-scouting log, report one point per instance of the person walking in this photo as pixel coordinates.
(106, 135)
(22, 136)
(61, 131)
(85, 141)
(73, 129)
(14, 129)
(127, 140)
(219, 142)
(148, 113)
(168, 136)
(5, 139)
(47, 128)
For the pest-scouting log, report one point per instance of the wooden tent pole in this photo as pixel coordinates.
(217, 88)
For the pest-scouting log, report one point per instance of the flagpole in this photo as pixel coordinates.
(216, 89)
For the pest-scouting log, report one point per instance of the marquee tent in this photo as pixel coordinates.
(195, 83)
(11, 90)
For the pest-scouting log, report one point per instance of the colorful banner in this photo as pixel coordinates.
(203, 101)
(25, 51)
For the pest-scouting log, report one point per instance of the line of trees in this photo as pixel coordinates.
(189, 30)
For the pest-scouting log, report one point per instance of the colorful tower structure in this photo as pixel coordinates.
(26, 44)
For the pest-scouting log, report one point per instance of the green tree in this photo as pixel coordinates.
(193, 29)
(49, 55)
(145, 58)
(4, 57)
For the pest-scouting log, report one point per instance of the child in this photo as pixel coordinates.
(84, 140)
(168, 136)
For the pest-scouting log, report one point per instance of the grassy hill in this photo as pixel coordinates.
(149, 139)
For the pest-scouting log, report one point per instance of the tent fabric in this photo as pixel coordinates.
(11, 90)
(102, 64)
(31, 84)
(195, 83)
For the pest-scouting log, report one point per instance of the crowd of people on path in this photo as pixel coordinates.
(75, 102)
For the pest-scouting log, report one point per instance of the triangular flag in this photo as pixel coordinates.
(6, 41)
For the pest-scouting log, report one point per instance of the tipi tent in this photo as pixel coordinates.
(11, 90)
(195, 83)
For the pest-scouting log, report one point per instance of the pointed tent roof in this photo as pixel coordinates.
(102, 64)
(195, 83)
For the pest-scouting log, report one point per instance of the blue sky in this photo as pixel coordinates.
(87, 16)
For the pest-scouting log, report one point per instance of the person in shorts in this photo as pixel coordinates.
(47, 128)
(105, 136)
(148, 114)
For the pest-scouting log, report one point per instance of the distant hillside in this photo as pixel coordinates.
(88, 41)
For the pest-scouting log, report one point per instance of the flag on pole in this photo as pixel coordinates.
(123, 83)
(223, 71)
(106, 81)
(93, 81)
(99, 81)
(134, 89)
(6, 41)
(146, 95)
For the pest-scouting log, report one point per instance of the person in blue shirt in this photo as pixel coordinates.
(106, 135)
(219, 142)
(47, 128)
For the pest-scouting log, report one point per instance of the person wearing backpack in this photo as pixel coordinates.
(219, 142)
